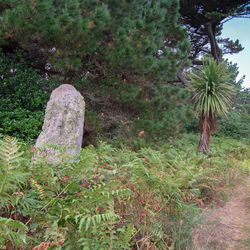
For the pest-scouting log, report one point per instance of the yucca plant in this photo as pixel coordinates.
(212, 96)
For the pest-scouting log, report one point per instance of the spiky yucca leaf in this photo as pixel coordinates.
(213, 92)
(11, 176)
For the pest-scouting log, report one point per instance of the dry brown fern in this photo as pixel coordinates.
(46, 245)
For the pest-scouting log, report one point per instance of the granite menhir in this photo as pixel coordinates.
(63, 124)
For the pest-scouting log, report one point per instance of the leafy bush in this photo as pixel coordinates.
(23, 94)
(236, 125)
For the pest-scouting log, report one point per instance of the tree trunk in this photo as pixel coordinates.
(204, 144)
(182, 78)
(207, 125)
(215, 50)
(204, 126)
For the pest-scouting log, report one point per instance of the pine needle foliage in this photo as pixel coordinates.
(100, 37)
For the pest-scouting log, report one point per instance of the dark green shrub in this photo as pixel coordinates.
(192, 124)
(23, 95)
(126, 109)
(165, 112)
(236, 125)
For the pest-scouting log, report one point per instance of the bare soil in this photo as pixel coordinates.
(226, 226)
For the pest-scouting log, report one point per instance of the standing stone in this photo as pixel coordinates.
(63, 124)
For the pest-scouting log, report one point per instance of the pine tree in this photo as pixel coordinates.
(204, 22)
(123, 51)
(101, 37)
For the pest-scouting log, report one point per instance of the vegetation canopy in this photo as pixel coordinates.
(138, 182)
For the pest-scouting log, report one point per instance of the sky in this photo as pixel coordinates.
(239, 28)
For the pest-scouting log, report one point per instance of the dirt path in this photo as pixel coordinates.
(227, 227)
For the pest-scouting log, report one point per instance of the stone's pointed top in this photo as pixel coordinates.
(63, 123)
(62, 90)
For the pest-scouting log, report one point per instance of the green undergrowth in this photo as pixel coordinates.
(113, 197)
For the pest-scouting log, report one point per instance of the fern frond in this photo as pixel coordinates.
(118, 192)
(13, 230)
(11, 176)
(88, 220)
(9, 152)
(38, 187)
